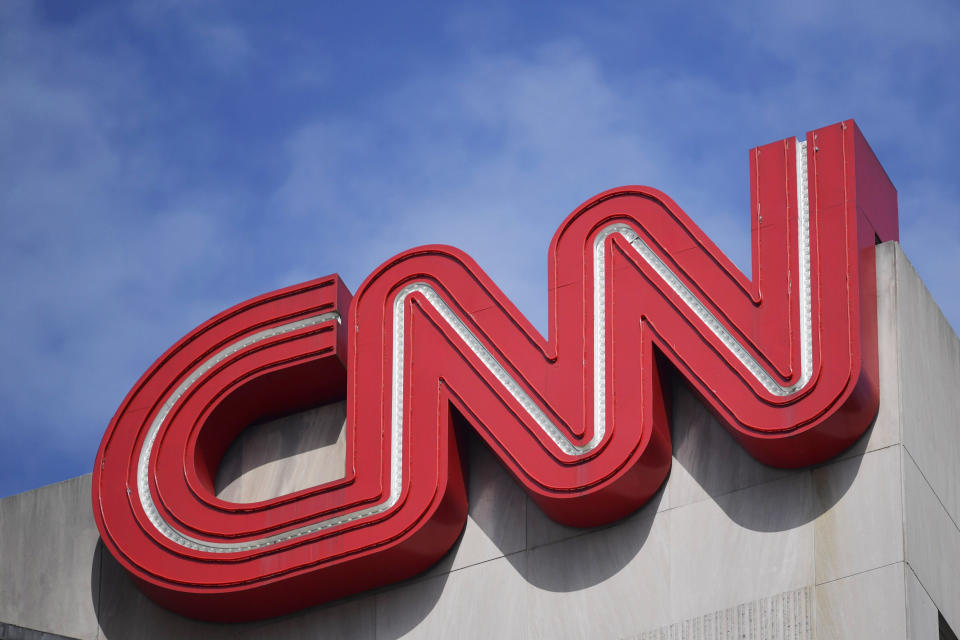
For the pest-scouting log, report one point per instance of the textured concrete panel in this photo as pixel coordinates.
(932, 542)
(785, 616)
(605, 584)
(861, 526)
(921, 612)
(930, 395)
(351, 619)
(125, 613)
(282, 456)
(542, 530)
(707, 461)
(488, 600)
(741, 547)
(47, 570)
(866, 606)
(496, 522)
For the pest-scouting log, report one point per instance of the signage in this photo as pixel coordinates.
(428, 345)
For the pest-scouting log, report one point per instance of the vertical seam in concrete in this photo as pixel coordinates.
(903, 526)
(897, 351)
(896, 335)
(906, 585)
(909, 568)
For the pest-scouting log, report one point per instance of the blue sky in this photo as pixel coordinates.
(161, 161)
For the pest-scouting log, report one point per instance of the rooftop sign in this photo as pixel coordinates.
(787, 360)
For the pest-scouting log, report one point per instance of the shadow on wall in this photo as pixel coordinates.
(284, 455)
(708, 464)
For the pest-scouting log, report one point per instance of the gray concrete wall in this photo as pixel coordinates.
(49, 560)
(282, 456)
(929, 382)
(865, 546)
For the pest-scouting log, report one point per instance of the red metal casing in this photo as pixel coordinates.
(578, 418)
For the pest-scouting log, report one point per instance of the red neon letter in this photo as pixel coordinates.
(787, 360)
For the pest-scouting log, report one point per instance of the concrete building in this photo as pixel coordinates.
(866, 545)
